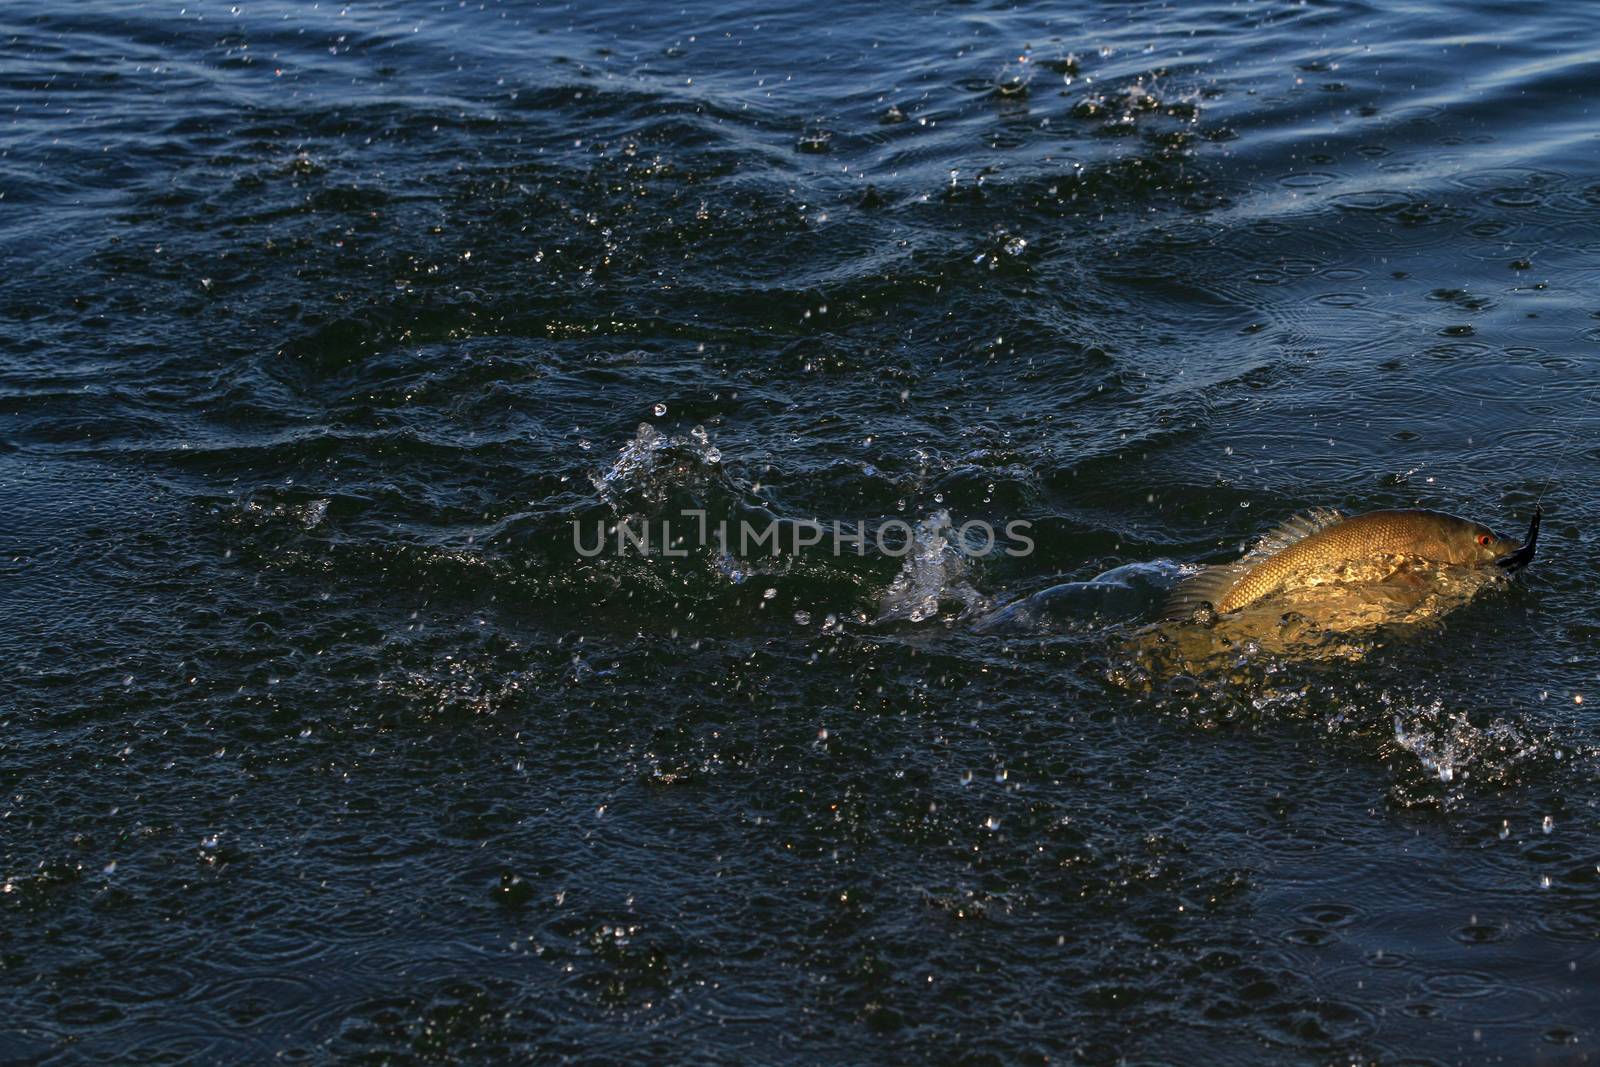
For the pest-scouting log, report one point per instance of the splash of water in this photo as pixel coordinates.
(1442, 742)
(651, 463)
(634, 462)
(934, 572)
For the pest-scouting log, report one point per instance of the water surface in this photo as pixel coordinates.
(320, 739)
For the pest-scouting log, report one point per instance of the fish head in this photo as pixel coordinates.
(1473, 544)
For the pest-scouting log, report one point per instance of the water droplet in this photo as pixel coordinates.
(660, 410)
(815, 140)
(803, 618)
(1548, 825)
(1013, 78)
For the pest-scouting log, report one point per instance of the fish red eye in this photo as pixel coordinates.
(1484, 539)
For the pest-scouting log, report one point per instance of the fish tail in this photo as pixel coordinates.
(1210, 586)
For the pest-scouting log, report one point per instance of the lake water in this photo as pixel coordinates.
(323, 737)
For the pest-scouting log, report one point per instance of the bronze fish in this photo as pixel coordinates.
(1323, 540)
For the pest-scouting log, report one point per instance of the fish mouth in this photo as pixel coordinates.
(1515, 561)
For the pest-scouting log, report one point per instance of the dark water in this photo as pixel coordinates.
(320, 741)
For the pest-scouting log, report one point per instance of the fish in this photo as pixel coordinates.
(1322, 540)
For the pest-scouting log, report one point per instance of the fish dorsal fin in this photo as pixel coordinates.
(1211, 584)
(1296, 528)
